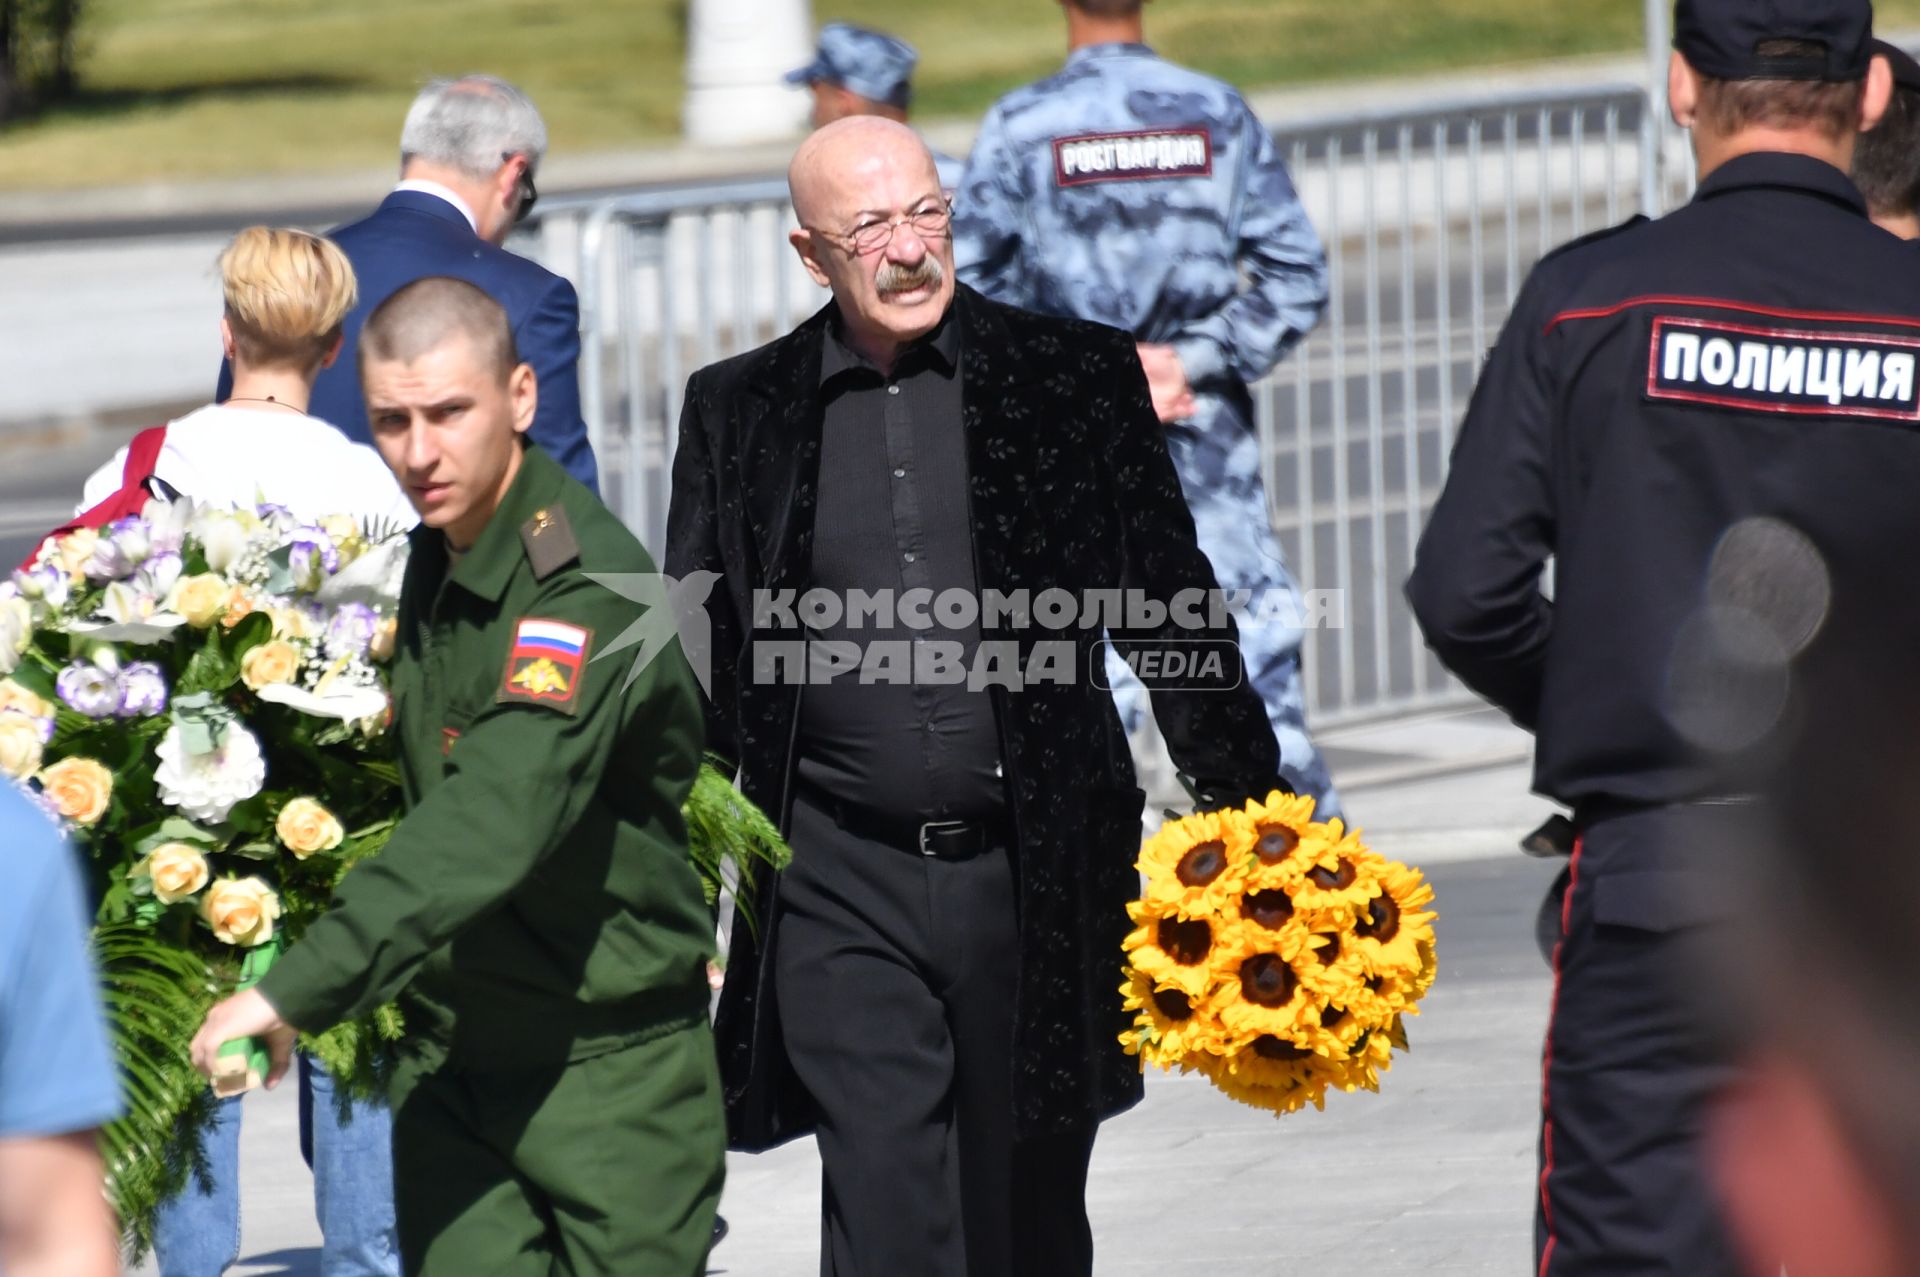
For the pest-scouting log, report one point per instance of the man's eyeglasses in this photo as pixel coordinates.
(526, 194)
(929, 221)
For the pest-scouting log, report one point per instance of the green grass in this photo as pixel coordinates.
(178, 89)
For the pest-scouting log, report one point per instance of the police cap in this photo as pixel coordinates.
(1906, 71)
(877, 66)
(1722, 38)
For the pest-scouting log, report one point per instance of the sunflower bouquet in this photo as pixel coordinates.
(1274, 954)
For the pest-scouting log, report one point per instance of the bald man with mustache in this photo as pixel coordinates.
(933, 987)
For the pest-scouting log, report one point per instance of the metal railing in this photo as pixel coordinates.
(1431, 220)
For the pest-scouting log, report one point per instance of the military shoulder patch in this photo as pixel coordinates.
(549, 542)
(1132, 157)
(1807, 369)
(544, 663)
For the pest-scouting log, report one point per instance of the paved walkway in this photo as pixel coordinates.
(1433, 1175)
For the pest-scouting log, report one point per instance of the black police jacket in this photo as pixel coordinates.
(1709, 423)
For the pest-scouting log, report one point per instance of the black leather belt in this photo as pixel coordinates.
(935, 839)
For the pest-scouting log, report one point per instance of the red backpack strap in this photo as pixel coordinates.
(143, 453)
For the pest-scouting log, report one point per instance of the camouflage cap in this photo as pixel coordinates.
(873, 64)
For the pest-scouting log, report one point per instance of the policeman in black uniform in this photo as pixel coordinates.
(1690, 416)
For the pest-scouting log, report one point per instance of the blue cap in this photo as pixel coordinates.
(873, 64)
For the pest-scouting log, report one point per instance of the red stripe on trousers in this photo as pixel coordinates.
(1546, 1062)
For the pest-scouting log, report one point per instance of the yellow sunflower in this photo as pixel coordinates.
(1371, 1056)
(1262, 994)
(1329, 967)
(1388, 935)
(1336, 1033)
(1341, 880)
(1283, 836)
(1169, 1027)
(1180, 953)
(1386, 996)
(1429, 967)
(1268, 920)
(1277, 1064)
(1274, 1081)
(1196, 865)
(1375, 1005)
(1279, 824)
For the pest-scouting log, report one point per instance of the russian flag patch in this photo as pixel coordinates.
(543, 666)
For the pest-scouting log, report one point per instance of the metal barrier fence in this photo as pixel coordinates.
(1431, 220)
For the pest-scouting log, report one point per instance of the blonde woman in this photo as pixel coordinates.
(287, 294)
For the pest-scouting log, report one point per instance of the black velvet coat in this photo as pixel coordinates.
(1070, 487)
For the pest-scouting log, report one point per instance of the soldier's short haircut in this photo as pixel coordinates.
(1886, 161)
(428, 313)
(1833, 107)
(1109, 8)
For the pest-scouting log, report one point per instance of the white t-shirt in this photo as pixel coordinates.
(235, 456)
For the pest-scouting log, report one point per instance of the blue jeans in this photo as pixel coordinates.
(197, 1233)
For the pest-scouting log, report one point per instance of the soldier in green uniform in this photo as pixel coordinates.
(557, 1106)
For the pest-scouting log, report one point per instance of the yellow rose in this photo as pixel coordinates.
(14, 696)
(80, 788)
(175, 870)
(291, 623)
(241, 911)
(74, 549)
(269, 663)
(385, 632)
(306, 827)
(201, 599)
(19, 744)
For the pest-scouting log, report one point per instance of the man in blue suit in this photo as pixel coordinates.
(468, 153)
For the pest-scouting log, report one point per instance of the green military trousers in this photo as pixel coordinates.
(608, 1165)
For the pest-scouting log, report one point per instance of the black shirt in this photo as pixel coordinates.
(893, 517)
(1665, 400)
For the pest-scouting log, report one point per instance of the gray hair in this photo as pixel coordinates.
(471, 124)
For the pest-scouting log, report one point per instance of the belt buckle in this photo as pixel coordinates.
(933, 825)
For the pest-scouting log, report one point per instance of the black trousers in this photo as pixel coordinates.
(1629, 1067)
(896, 976)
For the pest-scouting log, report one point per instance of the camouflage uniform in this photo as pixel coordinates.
(1132, 191)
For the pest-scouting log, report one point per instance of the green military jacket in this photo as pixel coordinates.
(536, 903)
